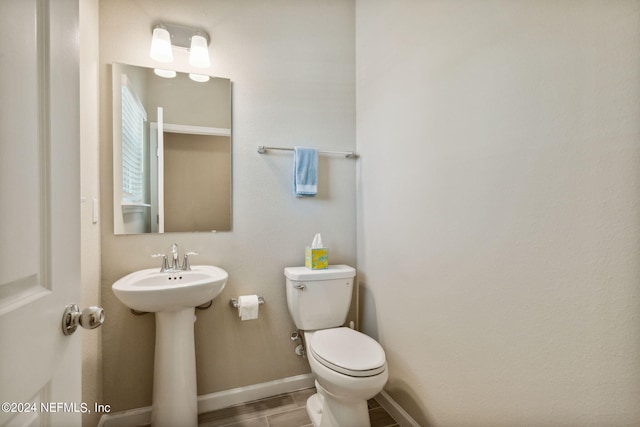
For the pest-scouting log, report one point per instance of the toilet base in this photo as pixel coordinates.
(314, 409)
(326, 411)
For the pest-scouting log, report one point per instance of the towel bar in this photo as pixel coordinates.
(234, 302)
(348, 154)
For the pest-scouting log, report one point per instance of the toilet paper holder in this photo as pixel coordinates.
(234, 302)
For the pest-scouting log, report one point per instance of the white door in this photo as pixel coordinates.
(39, 212)
(156, 173)
(160, 154)
(154, 159)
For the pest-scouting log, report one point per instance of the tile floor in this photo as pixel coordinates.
(285, 410)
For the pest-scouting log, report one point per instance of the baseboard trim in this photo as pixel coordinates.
(395, 410)
(235, 396)
(214, 401)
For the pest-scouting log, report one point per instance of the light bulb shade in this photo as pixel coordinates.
(200, 78)
(161, 45)
(167, 74)
(199, 52)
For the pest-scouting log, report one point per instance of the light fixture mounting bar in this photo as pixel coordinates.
(181, 35)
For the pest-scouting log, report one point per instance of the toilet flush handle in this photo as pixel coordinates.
(301, 286)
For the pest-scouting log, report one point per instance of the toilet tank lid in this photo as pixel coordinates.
(333, 272)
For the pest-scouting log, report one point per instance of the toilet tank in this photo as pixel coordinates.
(319, 299)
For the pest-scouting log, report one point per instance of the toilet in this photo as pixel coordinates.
(349, 367)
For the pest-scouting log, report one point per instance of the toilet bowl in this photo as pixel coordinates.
(349, 367)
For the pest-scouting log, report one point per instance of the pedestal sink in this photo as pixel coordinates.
(173, 297)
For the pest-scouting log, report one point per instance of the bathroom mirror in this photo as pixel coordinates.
(171, 151)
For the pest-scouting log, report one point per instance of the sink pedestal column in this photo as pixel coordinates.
(175, 395)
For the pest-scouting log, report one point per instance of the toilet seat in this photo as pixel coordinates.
(348, 352)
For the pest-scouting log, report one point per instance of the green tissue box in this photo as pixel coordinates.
(316, 258)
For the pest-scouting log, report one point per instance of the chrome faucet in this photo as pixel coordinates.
(175, 260)
(175, 263)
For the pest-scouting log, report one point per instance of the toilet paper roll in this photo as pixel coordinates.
(248, 307)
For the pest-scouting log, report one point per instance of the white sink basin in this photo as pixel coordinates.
(152, 290)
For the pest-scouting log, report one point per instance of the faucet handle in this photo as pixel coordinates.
(185, 263)
(165, 262)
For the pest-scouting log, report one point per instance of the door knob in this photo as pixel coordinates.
(89, 318)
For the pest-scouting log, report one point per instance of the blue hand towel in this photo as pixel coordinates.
(305, 171)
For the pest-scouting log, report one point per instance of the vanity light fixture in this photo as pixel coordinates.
(200, 78)
(167, 74)
(199, 52)
(161, 45)
(167, 36)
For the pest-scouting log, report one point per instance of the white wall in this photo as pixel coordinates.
(498, 208)
(293, 72)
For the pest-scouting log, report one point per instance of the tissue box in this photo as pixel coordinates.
(316, 258)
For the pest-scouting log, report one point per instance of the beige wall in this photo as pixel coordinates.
(186, 102)
(498, 208)
(90, 189)
(197, 181)
(292, 68)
